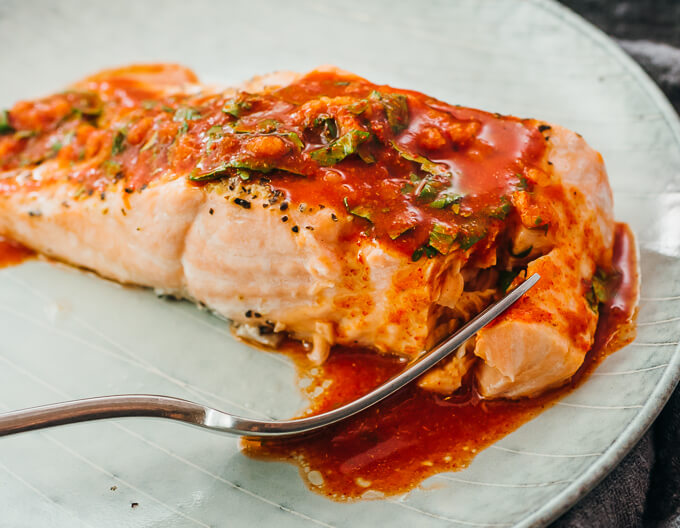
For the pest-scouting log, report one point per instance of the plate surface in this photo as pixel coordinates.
(66, 334)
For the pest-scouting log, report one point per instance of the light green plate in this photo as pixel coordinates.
(65, 334)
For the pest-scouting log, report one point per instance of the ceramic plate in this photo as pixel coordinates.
(66, 334)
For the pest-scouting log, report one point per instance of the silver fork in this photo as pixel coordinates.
(128, 405)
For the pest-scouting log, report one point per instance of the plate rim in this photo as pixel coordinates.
(638, 426)
(558, 503)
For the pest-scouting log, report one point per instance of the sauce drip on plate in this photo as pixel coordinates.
(393, 446)
(12, 253)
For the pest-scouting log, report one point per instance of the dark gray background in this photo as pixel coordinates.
(645, 489)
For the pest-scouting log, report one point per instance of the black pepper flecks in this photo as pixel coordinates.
(243, 203)
(295, 229)
(211, 211)
(543, 128)
(284, 218)
(310, 228)
(334, 217)
(283, 206)
(249, 313)
(257, 314)
(129, 190)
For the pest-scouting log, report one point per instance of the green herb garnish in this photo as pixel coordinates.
(5, 127)
(396, 232)
(329, 127)
(440, 239)
(523, 184)
(396, 109)
(340, 148)
(239, 164)
(446, 199)
(521, 254)
(501, 211)
(407, 188)
(293, 138)
(467, 240)
(118, 142)
(425, 164)
(236, 108)
(427, 192)
(598, 290)
(89, 104)
(359, 210)
(268, 125)
(186, 113)
(423, 250)
(25, 134)
(152, 141)
(112, 167)
(506, 277)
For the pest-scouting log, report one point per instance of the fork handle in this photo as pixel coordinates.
(84, 410)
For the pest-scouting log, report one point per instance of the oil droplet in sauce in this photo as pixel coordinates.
(392, 447)
(13, 253)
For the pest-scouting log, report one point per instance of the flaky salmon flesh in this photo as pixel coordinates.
(325, 208)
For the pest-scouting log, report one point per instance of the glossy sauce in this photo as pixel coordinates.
(13, 253)
(418, 164)
(392, 447)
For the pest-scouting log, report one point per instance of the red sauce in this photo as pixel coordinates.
(406, 164)
(12, 253)
(392, 447)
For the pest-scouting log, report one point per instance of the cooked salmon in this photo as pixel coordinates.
(325, 208)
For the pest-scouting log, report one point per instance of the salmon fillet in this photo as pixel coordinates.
(323, 207)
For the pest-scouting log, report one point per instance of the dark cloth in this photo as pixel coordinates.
(644, 490)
